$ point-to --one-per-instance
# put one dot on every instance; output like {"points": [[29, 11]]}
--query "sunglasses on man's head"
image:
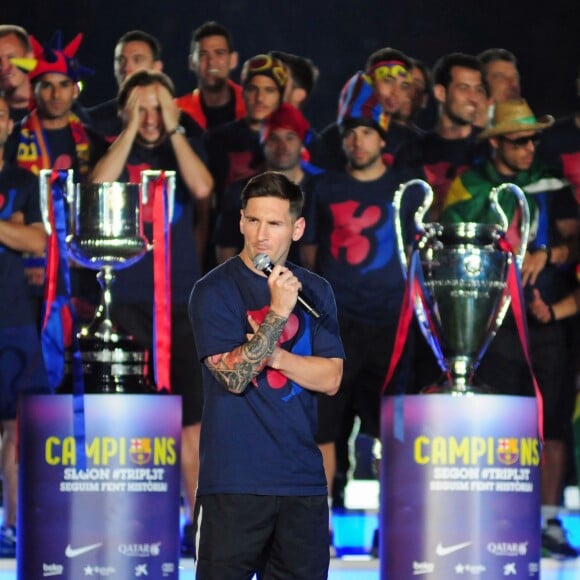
{"points": [[522, 141], [265, 62]]}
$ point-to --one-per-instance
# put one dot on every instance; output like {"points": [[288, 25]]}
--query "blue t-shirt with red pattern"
{"points": [[261, 441], [352, 223], [135, 283]]}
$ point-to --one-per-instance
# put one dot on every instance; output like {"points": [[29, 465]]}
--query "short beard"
{"points": [[284, 167], [217, 87], [458, 120], [362, 166]]}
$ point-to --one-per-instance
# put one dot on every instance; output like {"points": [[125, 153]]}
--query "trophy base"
{"points": [[459, 390], [110, 367]]}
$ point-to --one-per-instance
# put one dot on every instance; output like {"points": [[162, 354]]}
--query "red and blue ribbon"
{"points": [[161, 284], [414, 291], [58, 320]]}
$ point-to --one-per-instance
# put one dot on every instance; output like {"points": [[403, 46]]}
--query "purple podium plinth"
{"points": [[117, 519], [460, 487]]}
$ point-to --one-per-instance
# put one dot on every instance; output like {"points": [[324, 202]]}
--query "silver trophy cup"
{"points": [[105, 233], [462, 272]]}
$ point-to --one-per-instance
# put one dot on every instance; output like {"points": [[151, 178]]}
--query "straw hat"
{"points": [[513, 116]]}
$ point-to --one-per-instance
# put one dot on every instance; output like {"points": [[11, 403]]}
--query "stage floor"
{"points": [[342, 569], [356, 527]]}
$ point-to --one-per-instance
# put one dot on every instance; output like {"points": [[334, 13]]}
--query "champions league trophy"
{"points": [[105, 233], [460, 271]]}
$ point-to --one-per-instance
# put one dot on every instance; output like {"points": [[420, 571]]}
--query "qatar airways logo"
{"points": [[140, 550], [508, 549]]}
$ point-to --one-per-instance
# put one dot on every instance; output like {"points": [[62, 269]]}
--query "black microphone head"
{"points": [[262, 263]]}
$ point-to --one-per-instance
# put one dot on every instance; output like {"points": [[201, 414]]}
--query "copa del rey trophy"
{"points": [[460, 273], [105, 233]]}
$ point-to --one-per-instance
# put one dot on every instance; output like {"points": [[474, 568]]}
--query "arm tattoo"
{"points": [[237, 368]]}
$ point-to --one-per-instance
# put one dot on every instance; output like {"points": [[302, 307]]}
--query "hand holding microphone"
{"points": [[262, 262]]}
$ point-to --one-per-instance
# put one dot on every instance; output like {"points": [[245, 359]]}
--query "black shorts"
{"points": [[505, 371], [185, 369], [282, 537], [368, 352]]}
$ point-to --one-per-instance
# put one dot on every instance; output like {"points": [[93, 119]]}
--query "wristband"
{"points": [[548, 253], [180, 129], [551, 311]]}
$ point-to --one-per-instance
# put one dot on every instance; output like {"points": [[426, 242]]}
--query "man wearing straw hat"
{"points": [[512, 137]]}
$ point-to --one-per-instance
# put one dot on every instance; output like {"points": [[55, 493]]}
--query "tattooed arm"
{"points": [[237, 368]]}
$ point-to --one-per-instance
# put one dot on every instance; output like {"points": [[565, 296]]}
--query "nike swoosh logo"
{"points": [[71, 552], [445, 551]]}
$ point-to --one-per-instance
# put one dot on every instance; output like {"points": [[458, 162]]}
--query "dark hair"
{"points": [[426, 72], [211, 28], [353, 122], [387, 54], [493, 54], [18, 31], [142, 78], [274, 184], [442, 74], [303, 71], [140, 36]]}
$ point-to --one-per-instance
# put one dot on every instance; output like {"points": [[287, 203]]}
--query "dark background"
{"points": [[337, 35]]}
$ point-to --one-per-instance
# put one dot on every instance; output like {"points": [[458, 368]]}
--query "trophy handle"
{"points": [[519, 257], [45, 187], [419, 215], [525, 221], [425, 231], [169, 177]]}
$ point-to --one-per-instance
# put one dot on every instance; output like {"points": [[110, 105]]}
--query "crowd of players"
{"points": [[220, 135]]}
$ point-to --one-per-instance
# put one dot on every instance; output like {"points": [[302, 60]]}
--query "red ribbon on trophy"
{"points": [[414, 291], [162, 283]]}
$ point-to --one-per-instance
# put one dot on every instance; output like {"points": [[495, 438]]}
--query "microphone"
{"points": [[262, 263]]}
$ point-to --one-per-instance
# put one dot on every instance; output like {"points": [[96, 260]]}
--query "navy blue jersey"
{"points": [[560, 149], [135, 284], [261, 441], [18, 193], [234, 153], [442, 160]]}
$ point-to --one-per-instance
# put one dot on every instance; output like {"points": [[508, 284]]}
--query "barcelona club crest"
{"points": [[507, 450], [140, 450]]}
